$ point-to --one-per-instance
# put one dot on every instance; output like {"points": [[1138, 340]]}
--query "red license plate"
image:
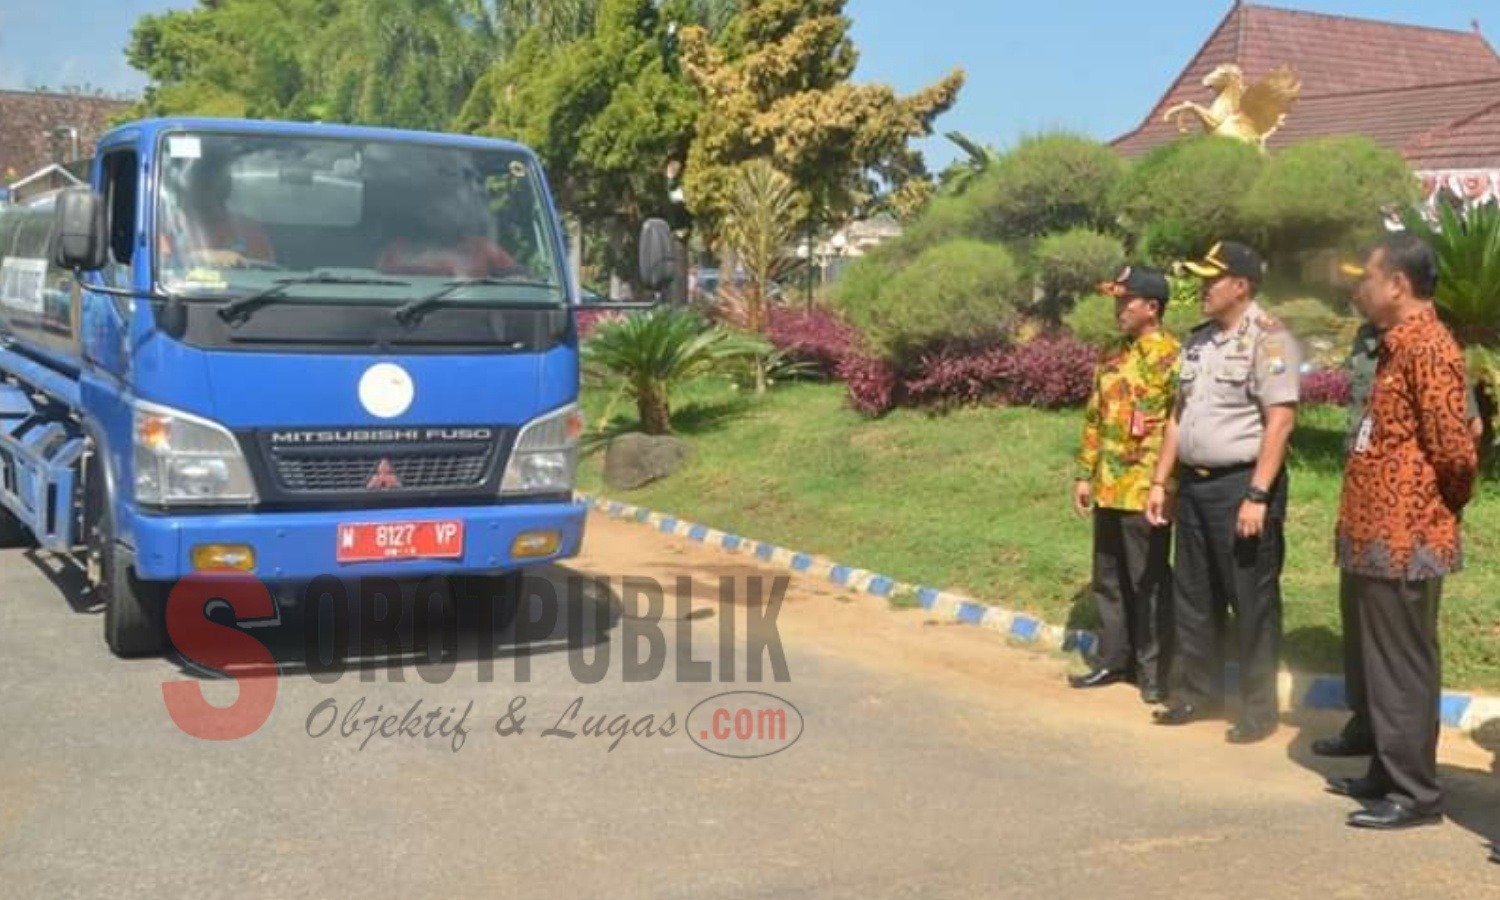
{"points": [[371, 541]]}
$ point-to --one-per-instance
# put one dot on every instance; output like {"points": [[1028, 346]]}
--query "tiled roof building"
{"points": [[35, 129], [1432, 94]]}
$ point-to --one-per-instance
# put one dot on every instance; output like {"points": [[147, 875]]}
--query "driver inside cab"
{"points": [[204, 231]]}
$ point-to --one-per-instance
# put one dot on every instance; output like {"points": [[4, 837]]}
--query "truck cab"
{"points": [[288, 351]]}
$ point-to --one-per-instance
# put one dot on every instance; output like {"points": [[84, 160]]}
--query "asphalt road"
{"points": [[931, 762]]}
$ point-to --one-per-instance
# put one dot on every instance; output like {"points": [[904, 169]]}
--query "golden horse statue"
{"points": [[1250, 114]]}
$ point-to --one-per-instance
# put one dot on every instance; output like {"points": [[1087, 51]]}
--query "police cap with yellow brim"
{"points": [[1227, 258]]}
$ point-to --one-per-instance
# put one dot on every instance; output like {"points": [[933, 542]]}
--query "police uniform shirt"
{"points": [[1227, 381]]}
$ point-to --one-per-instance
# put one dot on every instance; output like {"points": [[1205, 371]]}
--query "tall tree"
{"points": [[776, 85], [553, 22], [404, 63], [232, 57], [605, 113]]}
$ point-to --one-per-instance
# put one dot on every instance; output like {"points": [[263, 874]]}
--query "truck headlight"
{"points": [[545, 457], [182, 459]]}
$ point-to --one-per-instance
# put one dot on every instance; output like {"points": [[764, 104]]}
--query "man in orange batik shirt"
{"points": [[1406, 481]]}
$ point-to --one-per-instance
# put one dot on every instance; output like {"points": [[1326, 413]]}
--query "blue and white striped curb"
{"points": [[1467, 712]]}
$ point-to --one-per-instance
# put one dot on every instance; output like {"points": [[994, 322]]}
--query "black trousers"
{"points": [[1398, 622], [1217, 571], [1133, 593], [1357, 729]]}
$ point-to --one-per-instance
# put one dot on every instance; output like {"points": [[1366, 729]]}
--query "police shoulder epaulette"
{"points": [[1269, 323]]}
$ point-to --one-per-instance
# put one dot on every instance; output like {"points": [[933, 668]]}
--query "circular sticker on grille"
{"points": [[386, 390]]}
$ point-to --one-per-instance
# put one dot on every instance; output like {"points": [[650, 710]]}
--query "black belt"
{"points": [[1208, 472]]}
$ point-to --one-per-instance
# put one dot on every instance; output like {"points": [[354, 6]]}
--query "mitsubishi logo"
{"points": [[384, 478]]}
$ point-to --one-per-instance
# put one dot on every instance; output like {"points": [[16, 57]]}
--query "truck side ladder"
{"points": [[41, 448]]}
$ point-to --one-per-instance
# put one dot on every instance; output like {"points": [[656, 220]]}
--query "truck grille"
{"points": [[362, 465], [364, 471]]}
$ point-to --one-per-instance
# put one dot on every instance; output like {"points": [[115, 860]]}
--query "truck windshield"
{"points": [[358, 220]]}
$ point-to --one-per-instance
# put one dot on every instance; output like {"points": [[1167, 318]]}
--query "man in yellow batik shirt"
{"points": [[1135, 383]]}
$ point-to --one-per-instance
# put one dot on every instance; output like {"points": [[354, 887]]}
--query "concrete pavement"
{"points": [[935, 762]]}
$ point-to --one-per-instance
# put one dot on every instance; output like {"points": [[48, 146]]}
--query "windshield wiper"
{"points": [[239, 309], [410, 312]]}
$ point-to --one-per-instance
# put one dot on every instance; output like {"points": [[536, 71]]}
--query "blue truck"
{"points": [[291, 350]]}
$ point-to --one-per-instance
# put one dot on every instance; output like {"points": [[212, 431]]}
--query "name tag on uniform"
{"points": [[1362, 441]]}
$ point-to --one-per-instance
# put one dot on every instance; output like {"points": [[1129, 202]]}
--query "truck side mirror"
{"points": [[81, 240], [658, 254]]}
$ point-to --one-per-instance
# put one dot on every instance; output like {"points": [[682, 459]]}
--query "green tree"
{"points": [[404, 63], [232, 57], [604, 113], [776, 86]]}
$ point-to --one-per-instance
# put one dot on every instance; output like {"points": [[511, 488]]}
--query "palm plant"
{"points": [[648, 354], [761, 224], [1467, 245]]}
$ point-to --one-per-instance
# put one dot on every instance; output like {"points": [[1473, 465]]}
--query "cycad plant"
{"points": [[648, 354], [1468, 251]]}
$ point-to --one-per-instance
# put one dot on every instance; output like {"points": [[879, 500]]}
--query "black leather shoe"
{"points": [[1181, 714], [1248, 733], [1495, 853], [1389, 815], [1358, 788], [1341, 746], [1097, 678]]}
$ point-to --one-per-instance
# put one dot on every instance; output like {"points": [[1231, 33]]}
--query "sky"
{"points": [[1094, 66]]}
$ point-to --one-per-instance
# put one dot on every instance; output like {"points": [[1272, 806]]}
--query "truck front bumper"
{"points": [[303, 545]]}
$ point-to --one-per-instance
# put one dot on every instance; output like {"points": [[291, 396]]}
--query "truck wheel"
{"points": [[134, 611], [13, 532], [502, 591]]}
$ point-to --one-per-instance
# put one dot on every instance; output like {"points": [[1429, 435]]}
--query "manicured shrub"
{"points": [[952, 376], [817, 337], [960, 292], [1326, 194], [1048, 183], [1071, 263], [871, 383], [1092, 319], [589, 320], [1326, 387], [1182, 197], [1051, 372]]}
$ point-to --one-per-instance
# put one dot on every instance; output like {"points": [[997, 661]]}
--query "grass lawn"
{"points": [[977, 501]]}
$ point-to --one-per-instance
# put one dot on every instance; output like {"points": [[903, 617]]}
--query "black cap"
{"points": [[1139, 281], [1228, 258]]}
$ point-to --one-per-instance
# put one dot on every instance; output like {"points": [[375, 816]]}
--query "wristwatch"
{"points": [[1256, 495]]}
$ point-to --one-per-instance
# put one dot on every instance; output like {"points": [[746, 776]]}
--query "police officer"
{"points": [[1227, 441]]}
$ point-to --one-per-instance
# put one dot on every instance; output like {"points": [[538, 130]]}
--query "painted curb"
{"points": [[1464, 711]]}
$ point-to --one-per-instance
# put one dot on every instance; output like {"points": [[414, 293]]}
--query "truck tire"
{"points": [[504, 592], [13, 532], [134, 612]]}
